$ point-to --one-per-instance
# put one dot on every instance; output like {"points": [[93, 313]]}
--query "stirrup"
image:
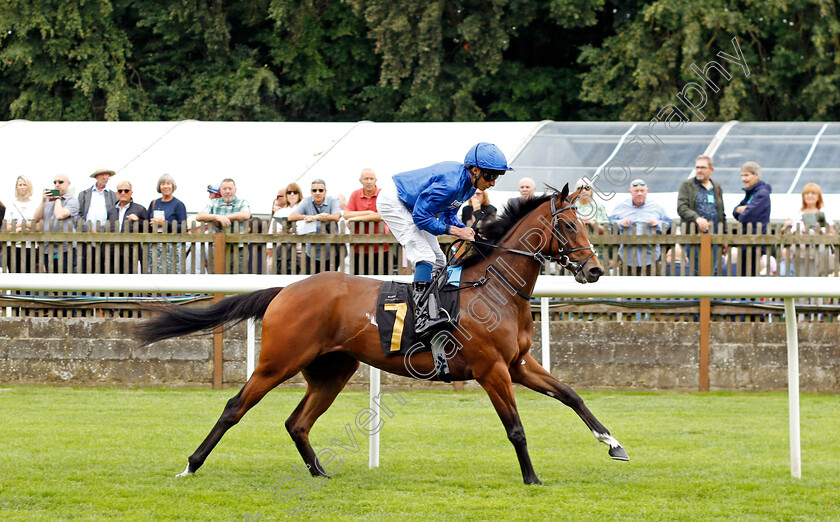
{"points": [[425, 326]]}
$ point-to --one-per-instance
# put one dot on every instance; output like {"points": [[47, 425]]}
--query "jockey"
{"points": [[420, 205]]}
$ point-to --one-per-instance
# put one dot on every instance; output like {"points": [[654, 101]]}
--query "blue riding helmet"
{"points": [[486, 156]]}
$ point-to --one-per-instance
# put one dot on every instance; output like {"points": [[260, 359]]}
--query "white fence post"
{"points": [[250, 348], [373, 459], [544, 335], [793, 387]]}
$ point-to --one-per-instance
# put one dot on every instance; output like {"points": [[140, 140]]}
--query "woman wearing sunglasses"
{"points": [[420, 205], [282, 225]]}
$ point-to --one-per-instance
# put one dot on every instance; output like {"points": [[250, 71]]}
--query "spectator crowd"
{"points": [[98, 208]]}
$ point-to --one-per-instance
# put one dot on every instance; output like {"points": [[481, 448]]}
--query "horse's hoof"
{"points": [[534, 482], [618, 453], [185, 473]]}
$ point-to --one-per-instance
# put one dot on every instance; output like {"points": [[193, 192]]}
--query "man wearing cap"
{"points": [[420, 205], [201, 249], [636, 216]]}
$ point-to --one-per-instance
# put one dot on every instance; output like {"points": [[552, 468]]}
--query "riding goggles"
{"points": [[491, 175]]}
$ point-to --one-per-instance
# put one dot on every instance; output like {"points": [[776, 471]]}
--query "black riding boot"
{"points": [[424, 325]]}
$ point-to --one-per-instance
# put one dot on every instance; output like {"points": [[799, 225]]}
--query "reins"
{"points": [[563, 258], [463, 285]]}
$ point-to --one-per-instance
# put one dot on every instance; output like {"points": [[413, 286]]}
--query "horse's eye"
{"points": [[570, 226]]}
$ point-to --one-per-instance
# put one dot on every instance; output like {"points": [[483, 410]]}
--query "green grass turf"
{"points": [[112, 454]]}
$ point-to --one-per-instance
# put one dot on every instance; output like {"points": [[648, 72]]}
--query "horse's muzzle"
{"points": [[590, 273]]}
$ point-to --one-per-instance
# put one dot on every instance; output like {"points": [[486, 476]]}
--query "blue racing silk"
{"points": [[434, 194]]}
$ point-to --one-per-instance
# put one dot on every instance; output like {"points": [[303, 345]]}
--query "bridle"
{"points": [[563, 257]]}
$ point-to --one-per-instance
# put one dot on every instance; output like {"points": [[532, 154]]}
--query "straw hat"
{"points": [[103, 170]]}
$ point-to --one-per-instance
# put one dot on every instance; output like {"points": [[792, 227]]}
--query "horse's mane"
{"points": [[515, 210]]}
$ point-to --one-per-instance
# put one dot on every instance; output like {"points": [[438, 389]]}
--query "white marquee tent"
{"points": [[260, 157], [265, 156]]}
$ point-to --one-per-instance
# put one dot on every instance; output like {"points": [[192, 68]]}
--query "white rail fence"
{"points": [[787, 288]]}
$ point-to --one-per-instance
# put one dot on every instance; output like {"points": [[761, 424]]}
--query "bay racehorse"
{"points": [[323, 327]]}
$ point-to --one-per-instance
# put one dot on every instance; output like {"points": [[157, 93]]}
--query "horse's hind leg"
{"points": [[261, 382], [534, 376], [325, 377]]}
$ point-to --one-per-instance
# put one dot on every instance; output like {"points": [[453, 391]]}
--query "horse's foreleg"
{"points": [[534, 376], [261, 382], [326, 377], [497, 383]]}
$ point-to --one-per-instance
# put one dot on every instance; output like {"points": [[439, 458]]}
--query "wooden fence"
{"points": [[194, 248]]}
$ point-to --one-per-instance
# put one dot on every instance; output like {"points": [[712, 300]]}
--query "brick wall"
{"points": [[586, 355]]}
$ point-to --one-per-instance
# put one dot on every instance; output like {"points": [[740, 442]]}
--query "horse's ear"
{"points": [[564, 193]]}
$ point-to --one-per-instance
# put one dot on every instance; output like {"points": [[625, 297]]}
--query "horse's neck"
{"points": [[520, 271]]}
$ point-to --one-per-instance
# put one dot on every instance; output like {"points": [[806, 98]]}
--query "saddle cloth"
{"points": [[395, 315]]}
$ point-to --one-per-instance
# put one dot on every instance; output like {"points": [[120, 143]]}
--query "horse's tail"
{"points": [[174, 321]]}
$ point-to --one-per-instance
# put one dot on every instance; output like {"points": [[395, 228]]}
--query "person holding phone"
{"points": [[58, 211], [814, 260], [478, 211], [812, 216]]}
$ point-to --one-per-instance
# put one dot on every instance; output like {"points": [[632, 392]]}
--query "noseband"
{"points": [[563, 257]]}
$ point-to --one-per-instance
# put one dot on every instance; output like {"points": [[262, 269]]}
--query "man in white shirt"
{"points": [[97, 202], [96, 205]]}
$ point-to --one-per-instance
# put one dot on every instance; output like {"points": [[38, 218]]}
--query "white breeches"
{"points": [[419, 244]]}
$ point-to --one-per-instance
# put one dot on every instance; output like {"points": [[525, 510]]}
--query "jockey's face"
{"points": [[483, 184]]}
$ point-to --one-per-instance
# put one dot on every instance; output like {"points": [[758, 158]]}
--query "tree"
{"points": [[791, 47], [64, 61], [540, 77], [326, 62], [202, 60], [473, 60], [435, 54], [296, 59]]}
